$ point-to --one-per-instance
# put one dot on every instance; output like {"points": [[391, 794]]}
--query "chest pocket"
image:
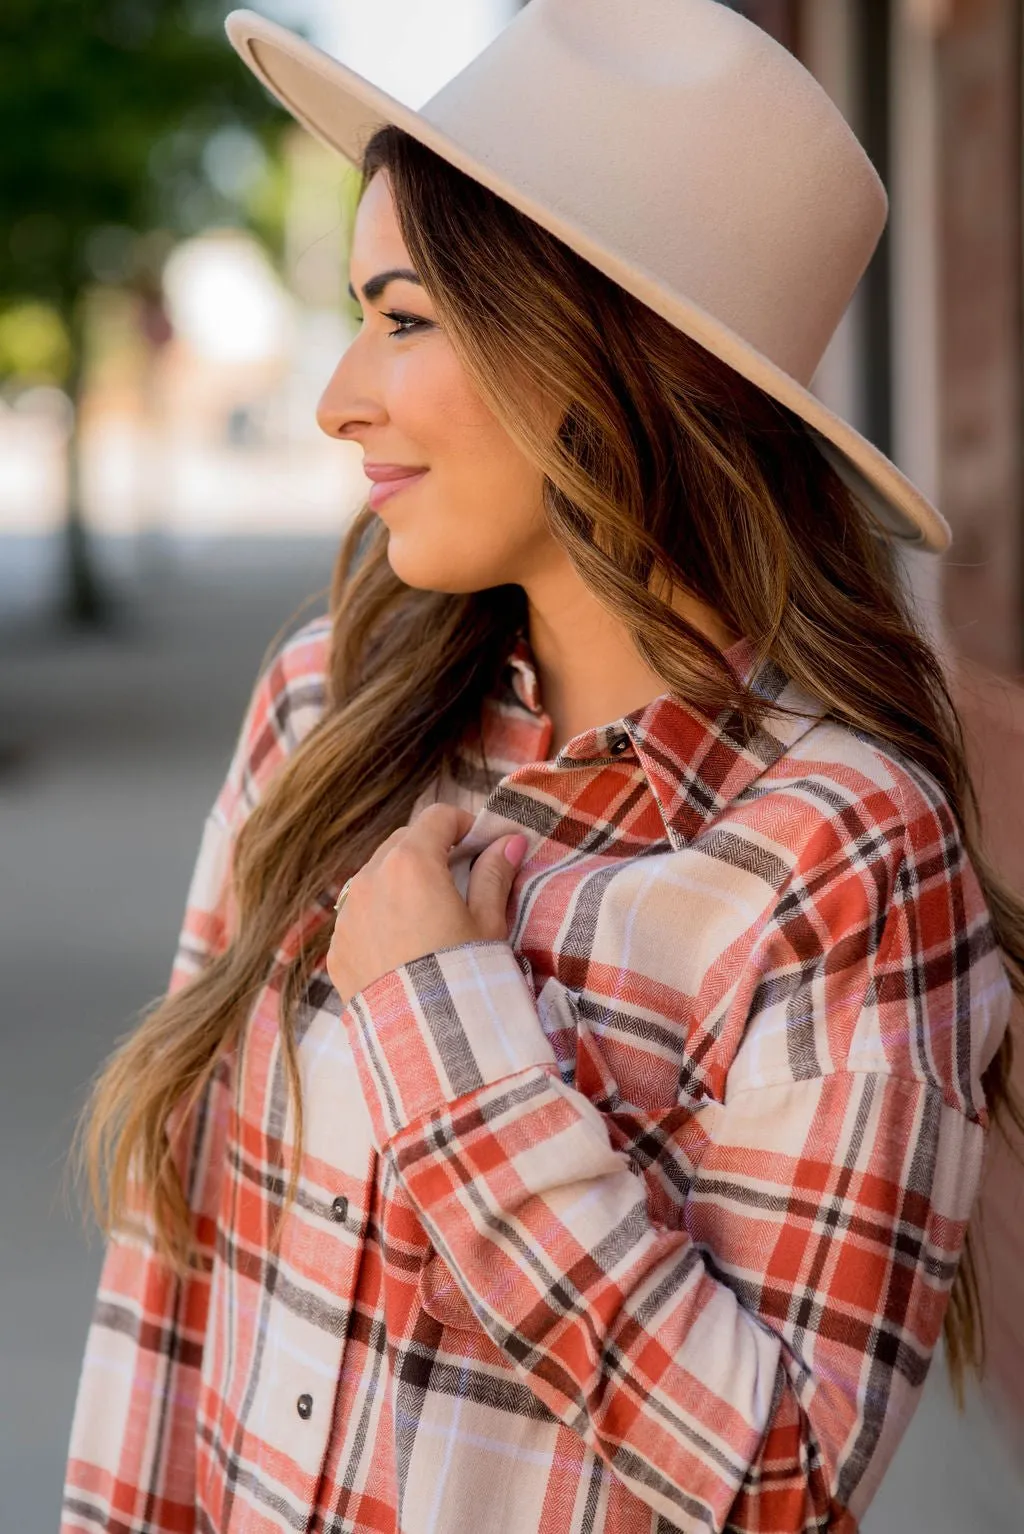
{"points": [[621, 1061], [441, 1297]]}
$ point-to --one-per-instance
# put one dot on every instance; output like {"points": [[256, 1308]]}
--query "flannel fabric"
{"points": [[642, 1220]]}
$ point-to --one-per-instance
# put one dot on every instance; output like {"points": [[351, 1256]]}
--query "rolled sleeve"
{"points": [[441, 1026]]}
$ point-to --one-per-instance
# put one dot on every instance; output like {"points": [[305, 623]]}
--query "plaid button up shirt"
{"points": [[642, 1220]]}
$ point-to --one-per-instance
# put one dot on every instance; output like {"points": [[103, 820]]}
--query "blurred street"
{"points": [[114, 751]]}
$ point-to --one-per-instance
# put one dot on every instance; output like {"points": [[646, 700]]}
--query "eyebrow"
{"points": [[374, 286]]}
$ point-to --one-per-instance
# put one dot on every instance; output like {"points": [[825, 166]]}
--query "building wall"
{"points": [[929, 363], [979, 69], [779, 17]]}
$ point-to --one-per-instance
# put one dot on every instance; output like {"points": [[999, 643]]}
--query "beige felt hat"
{"points": [[677, 148]]}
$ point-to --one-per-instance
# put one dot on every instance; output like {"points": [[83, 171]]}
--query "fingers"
{"points": [[439, 827], [490, 884], [436, 829]]}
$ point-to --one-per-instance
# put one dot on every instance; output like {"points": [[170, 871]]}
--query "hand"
{"points": [[403, 903]]}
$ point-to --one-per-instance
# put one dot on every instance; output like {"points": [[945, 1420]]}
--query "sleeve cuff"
{"points": [[440, 1026]]}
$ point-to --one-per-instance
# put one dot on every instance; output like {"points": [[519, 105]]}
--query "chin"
{"points": [[427, 569]]}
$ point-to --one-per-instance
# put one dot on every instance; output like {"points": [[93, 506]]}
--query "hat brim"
{"points": [[343, 110]]}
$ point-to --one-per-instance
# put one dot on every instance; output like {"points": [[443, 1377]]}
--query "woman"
{"points": [[603, 1160]]}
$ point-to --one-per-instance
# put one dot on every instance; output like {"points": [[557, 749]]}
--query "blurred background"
{"points": [[172, 280]]}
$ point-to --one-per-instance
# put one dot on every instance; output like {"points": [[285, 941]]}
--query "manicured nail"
{"points": [[515, 849]]}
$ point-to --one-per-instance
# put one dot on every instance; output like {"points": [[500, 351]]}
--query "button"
{"points": [[339, 1209], [619, 744], [304, 1407]]}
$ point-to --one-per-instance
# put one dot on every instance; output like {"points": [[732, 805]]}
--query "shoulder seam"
{"points": [[315, 628], [858, 1070]]}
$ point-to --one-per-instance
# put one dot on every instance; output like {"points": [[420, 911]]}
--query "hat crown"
{"points": [[736, 180], [653, 43]]}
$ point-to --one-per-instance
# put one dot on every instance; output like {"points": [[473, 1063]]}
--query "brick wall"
{"points": [[992, 711], [979, 56]]}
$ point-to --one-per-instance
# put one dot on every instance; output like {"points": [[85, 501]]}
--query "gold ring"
{"points": [[343, 895]]}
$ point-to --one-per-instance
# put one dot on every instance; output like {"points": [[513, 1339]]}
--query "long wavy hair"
{"points": [[669, 472]]}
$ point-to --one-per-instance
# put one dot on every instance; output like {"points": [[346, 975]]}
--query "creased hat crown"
{"points": [[736, 178]]}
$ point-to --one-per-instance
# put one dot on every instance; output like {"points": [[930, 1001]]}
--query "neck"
{"points": [[588, 669]]}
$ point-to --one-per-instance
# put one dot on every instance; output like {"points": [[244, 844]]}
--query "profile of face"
{"points": [[475, 518]]}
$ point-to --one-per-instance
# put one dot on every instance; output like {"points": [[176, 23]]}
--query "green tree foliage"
{"points": [[106, 110], [119, 118]]}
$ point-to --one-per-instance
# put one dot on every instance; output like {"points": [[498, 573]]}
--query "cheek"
{"points": [[482, 500], [433, 405]]}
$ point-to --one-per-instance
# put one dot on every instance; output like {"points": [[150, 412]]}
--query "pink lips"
{"points": [[389, 479]]}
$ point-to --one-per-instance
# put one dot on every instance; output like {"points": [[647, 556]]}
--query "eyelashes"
{"points": [[411, 321], [405, 323]]}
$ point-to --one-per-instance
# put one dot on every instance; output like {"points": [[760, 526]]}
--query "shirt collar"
{"points": [[695, 765]]}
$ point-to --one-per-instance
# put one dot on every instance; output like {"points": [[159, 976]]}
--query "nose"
{"points": [[348, 405]]}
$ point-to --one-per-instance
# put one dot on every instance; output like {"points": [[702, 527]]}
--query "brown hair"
{"points": [[669, 471]]}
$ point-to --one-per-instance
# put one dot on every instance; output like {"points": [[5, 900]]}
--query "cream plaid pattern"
{"points": [[642, 1220]]}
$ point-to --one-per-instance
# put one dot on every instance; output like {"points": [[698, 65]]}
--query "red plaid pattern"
{"points": [[644, 1219]]}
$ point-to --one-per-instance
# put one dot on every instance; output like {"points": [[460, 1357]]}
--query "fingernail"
{"points": [[515, 849]]}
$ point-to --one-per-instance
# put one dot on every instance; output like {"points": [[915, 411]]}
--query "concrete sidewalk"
{"points": [[116, 748], [125, 742]]}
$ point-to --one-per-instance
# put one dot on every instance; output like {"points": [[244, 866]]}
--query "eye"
{"points": [[405, 323]]}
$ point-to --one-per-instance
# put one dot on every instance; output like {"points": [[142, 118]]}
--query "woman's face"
{"points": [[475, 518]]}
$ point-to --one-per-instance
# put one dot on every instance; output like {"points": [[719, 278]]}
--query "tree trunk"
{"points": [[84, 601]]}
